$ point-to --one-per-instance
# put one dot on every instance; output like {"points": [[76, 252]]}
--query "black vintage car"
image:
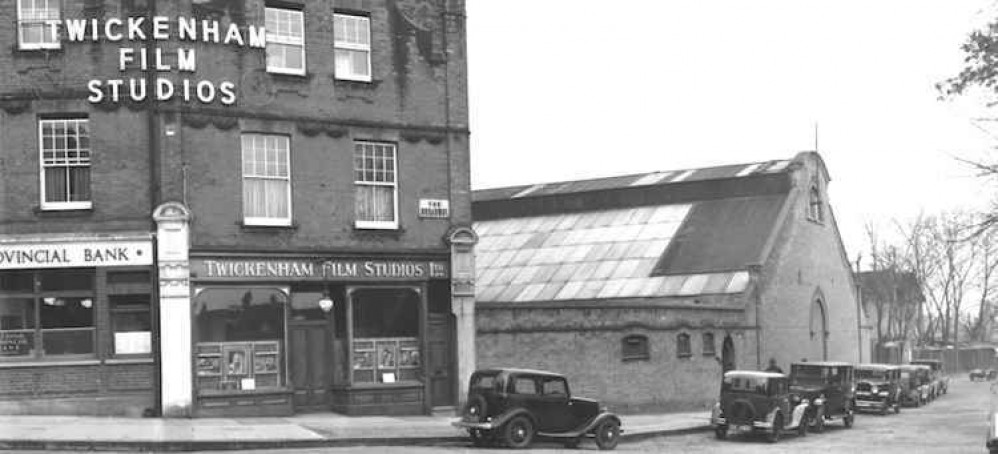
{"points": [[977, 374], [754, 401], [915, 379], [515, 406], [829, 387], [878, 388], [940, 380]]}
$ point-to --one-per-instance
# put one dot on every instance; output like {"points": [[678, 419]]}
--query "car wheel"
{"points": [[518, 433], [897, 408], [883, 410], [819, 421], [721, 432], [802, 427], [774, 435], [849, 419], [608, 434]]}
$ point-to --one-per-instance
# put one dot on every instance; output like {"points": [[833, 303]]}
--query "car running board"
{"points": [[575, 433]]}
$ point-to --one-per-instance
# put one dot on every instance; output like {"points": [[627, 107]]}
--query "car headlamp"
{"points": [[883, 393]]}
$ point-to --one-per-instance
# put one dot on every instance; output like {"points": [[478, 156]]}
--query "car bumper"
{"points": [[871, 404], [479, 425], [719, 422]]}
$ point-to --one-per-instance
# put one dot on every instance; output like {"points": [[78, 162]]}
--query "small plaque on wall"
{"points": [[248, 384]]}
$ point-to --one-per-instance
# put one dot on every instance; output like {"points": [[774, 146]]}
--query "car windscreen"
{"points": [[744, 384], [871, 375], [807, 376]]}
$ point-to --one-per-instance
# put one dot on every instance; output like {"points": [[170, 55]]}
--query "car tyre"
{"points": [[608, 434], [773, 436], [518, 433], [721, 432], [849, 419], [802, 427], [897, 407]]}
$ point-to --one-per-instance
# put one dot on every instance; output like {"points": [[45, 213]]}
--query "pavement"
{"points": [[19, 432]]}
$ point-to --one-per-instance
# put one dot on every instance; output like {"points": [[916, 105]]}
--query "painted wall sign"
{"points": [[181, 60], [76, 255], [319, 270]]}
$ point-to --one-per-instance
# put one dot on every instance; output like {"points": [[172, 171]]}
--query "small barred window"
{"points": [[683, 349], [635, 348]]}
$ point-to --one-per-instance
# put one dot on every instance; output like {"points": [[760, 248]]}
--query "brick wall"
{"points": [[807, 261], [585, 343]]}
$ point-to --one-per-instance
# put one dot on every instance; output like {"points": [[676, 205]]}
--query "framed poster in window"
{"points": [[387, 355], [237, 360]]}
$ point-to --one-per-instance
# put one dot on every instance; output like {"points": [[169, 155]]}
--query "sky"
{"points": [[574, 89]]}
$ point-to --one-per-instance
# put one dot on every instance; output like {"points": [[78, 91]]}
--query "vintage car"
{"points": [[978, 374], [992, 374], [940, 380], [916, 380], [830, 389], [515, 406], [758, 402], [878, 388]]}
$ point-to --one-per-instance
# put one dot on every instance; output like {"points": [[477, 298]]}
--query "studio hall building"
{"points": [[644, 288], [215, 207]]}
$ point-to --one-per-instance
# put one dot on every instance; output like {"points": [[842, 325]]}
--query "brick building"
{"points": [[222, 207], [644, 288]]}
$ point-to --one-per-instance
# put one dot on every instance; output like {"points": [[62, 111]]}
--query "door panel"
{"points": [[440, 359], [311, 357]]}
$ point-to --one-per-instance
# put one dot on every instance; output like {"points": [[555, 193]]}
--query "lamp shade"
{"points": [[326, 303]]}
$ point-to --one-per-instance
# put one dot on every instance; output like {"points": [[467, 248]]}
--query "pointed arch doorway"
{"points": [[818, 348], [727, 354]]}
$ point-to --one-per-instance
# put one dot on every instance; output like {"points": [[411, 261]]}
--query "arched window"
{"points": [[814, 211], [635, 348], [708, 344], [683, 349]]}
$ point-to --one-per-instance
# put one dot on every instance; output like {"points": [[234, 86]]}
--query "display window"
{"points": [[47, 314], [386, 347], [240, 338]]}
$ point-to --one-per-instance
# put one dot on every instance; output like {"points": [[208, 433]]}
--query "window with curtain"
{"points": [[285, 41], [47, 314], [65, 159], [266, 180], [34, 19], [375, 180], [352, 47]]}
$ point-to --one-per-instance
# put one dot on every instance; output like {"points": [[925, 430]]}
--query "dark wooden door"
{"points": [[440, 359], [311, 357]]}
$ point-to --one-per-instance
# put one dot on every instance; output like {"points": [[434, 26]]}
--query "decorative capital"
{"points": [[171, 211]]}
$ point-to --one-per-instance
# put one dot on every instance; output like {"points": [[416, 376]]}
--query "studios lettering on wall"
{"points": [[181, 61], [324, 270]]}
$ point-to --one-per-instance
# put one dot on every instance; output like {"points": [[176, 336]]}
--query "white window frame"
{"points": [[67, 162], [287, 40], [260, 220], [21, 44], [353, 46], [382, 225]]}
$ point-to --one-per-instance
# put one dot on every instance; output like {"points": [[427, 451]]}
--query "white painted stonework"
{"points": [[173, 244]]}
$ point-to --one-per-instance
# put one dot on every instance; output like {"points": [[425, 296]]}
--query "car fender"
{"points": [[798, 414], [589, 427]]}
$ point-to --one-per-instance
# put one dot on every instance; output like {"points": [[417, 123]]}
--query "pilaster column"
{"points": [[172, 259], [462, 250]]}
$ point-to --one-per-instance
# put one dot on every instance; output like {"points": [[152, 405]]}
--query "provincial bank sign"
{"points": [[76, 255], [242, 269]]}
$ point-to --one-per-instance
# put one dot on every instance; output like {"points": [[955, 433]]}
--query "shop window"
{"points": [[131, 324], [47, 314], [386, 335], [240, 338], [34, 24], [683, 348], [375, 180], [65, 164], [352, 47], [285, 41], [635, 348], [266, 180], [708, 344]]}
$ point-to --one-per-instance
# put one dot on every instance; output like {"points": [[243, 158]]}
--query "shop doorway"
{"points": [[440, 359], [311, 360]]}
